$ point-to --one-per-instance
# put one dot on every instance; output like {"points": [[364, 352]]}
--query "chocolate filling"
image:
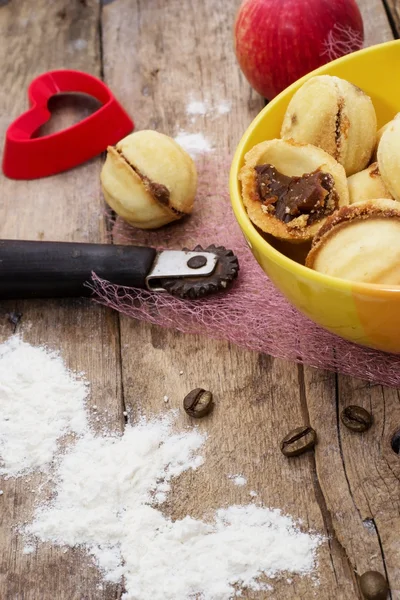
{"points": [[312, 194], [338, 128], [159, 191], [374, 170]]}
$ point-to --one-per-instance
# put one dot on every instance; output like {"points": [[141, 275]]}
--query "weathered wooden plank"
{"points": [[36, 37]]}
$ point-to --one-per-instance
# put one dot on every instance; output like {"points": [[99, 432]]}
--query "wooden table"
{"points": [[153, 53]]}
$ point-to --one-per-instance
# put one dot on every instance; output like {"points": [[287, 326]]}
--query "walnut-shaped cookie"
{"points": [[360, 242], [289, 189], [379, 135], [149, 180], [389, 157], [367, 185], [334, 115]]}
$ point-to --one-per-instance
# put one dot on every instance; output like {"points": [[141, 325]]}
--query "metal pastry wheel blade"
{"points": [[193, 284]]}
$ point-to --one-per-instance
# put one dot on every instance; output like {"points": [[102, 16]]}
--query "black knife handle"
{"points": [[60, 269]]}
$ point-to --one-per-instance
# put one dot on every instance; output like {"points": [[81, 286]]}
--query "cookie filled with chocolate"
{"points": [[289, 189], [334, 115], [360, 242]]}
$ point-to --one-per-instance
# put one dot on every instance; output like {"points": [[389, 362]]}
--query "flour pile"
{"points": [[108, 495], [109, 492], [105, 488], [40, 401]]}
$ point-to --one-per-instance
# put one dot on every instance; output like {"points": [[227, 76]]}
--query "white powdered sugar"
{"points": [[40, 401], [195, 144], [109, 492]]}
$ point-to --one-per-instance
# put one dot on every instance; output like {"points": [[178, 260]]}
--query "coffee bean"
{"points": [[374, 586], [395, 442], [356, 418], [298, 441], [198, 403]]}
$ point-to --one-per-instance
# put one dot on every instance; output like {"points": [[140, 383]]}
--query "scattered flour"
{"points": [[224, 108], [103, 481], [196, 108], [253, 494], [109, 491], [79, 44], [238, 479], [195, 144], [40, 401]]}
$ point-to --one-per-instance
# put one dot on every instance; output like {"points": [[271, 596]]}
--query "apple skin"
{"points": [[279, 41]]}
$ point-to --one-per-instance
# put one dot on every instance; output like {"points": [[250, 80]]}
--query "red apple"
{"points": [[278, 41]]}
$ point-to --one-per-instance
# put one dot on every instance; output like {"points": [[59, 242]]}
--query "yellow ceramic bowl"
{"points": [[367, 314]]}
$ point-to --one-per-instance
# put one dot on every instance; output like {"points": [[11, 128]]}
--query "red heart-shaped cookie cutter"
{"points": [[29, 158]]}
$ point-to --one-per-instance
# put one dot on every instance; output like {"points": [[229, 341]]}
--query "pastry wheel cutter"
{"points": [[32, 269]]}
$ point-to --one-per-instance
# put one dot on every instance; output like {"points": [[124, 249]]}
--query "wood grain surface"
{"points": [[156, 56]]}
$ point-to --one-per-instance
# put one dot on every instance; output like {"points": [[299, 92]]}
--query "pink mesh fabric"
{"points": [[252, 314]]}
